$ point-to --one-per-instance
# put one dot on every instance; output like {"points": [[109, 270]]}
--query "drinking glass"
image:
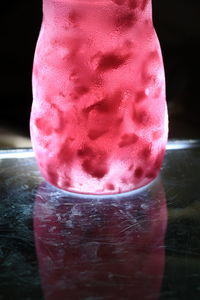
{"points": [[99, 119]]}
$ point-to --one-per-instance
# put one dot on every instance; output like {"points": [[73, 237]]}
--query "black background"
{"points": [[178, 27]]}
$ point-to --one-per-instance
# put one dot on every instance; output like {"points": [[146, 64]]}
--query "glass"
{"points": [[37, 219], [99, 119]]}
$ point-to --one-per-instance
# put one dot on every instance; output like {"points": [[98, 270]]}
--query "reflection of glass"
{"points": [[99, 118], [110, 248]]}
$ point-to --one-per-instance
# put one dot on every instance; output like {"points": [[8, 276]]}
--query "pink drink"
{"points": [[99, 118]]}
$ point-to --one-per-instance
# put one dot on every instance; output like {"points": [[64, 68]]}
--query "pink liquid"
{"points": [[99, 117]]}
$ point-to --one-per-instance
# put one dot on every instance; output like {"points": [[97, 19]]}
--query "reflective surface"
{"points": [[139, 245]]}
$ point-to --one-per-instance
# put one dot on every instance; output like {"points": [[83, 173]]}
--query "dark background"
{"points": [[178, 27]]}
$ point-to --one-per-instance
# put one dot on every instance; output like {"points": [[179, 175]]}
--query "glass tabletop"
{"points": [[139, 245]]}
